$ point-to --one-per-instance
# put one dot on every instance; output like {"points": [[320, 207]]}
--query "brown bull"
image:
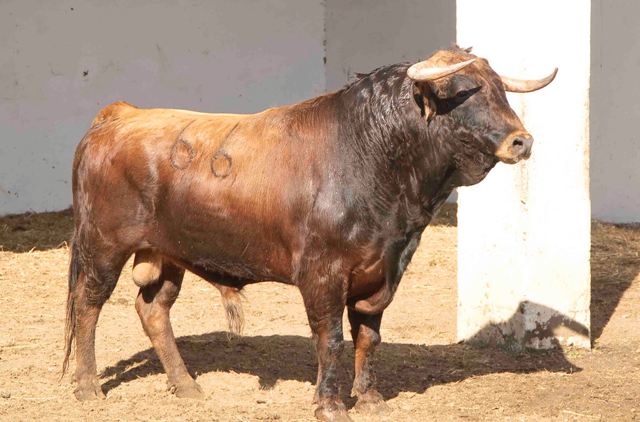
{"points": [[331, 195]]}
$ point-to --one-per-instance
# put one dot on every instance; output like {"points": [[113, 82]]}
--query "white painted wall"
{"points": [[365, 34], [236, 56], [615, 110], [524, 232]]}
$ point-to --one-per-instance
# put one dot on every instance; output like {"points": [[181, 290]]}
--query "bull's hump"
{"points": [[112, 111]]}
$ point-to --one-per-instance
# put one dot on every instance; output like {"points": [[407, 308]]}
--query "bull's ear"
{"points": [[425, 99]]}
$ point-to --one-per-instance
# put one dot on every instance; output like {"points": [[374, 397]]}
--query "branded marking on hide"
{"points": [[182, 153], [221, 164]]}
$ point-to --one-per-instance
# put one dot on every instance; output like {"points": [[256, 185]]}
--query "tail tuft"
{"points": [[232, 302]]}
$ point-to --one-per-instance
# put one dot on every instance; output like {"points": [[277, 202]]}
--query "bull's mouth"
{"points": [[511, 160]]}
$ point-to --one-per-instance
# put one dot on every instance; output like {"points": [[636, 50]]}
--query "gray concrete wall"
{"points": [[63, 60], [365, 34], [615, 110]]}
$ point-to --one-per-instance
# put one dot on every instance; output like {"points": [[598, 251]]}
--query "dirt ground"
{"points": [[268, 374]]}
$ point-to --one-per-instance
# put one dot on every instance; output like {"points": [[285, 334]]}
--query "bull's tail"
{"points": [[232, 302], [70, 320]]}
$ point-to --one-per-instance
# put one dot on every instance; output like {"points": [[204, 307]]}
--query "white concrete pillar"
{"points": [[524, 232]]}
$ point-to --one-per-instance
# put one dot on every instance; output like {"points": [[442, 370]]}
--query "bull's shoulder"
{"points": [[112, 111]]}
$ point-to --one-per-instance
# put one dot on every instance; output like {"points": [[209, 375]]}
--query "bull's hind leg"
{"points": [[365, 332], [153, 304], [86, 317], [91, 283]]}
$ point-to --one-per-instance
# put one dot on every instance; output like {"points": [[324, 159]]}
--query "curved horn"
{"points": [[525, 85], [425, 71]]}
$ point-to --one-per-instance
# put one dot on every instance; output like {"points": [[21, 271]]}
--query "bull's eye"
{"points": [[466, 93], [446, 105]]}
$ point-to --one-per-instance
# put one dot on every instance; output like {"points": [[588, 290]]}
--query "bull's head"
{"points": [[461, 87]]}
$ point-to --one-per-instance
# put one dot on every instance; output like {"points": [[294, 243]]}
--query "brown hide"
{"points": [[221, 194]]}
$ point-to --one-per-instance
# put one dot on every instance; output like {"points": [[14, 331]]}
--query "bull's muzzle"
{"points": [[515, 147]]}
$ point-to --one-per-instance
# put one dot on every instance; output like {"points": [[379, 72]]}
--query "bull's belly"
{"points": [[228, 253], [230, 272]]}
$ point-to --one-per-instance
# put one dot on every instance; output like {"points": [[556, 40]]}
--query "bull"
{"points": [[331, 195]]}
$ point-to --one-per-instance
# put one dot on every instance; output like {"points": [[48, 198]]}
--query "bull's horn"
{"points": [[425, 71], [525, 85]]}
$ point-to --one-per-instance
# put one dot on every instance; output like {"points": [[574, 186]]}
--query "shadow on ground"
{"points": [[35, 231], [399, 367], [515, 335]]}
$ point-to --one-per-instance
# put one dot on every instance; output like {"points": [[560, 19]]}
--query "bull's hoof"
{"points": [[89, 390], [187, 390], [371, 403], [332, 412]]}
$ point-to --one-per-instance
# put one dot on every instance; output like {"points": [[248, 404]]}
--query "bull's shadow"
{"points": [[513, 333], [400, 367]]}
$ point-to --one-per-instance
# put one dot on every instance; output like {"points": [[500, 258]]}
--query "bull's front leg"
{"points": [[325, 306], [365, 332]]}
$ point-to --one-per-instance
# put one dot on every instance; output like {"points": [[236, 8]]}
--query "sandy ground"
{"points": [[268, 374]]}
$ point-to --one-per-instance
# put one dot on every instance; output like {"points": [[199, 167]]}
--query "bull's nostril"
{"points": [[515, 148]]}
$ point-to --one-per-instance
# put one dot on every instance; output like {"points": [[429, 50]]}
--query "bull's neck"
{"points": [[404, 159]]}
